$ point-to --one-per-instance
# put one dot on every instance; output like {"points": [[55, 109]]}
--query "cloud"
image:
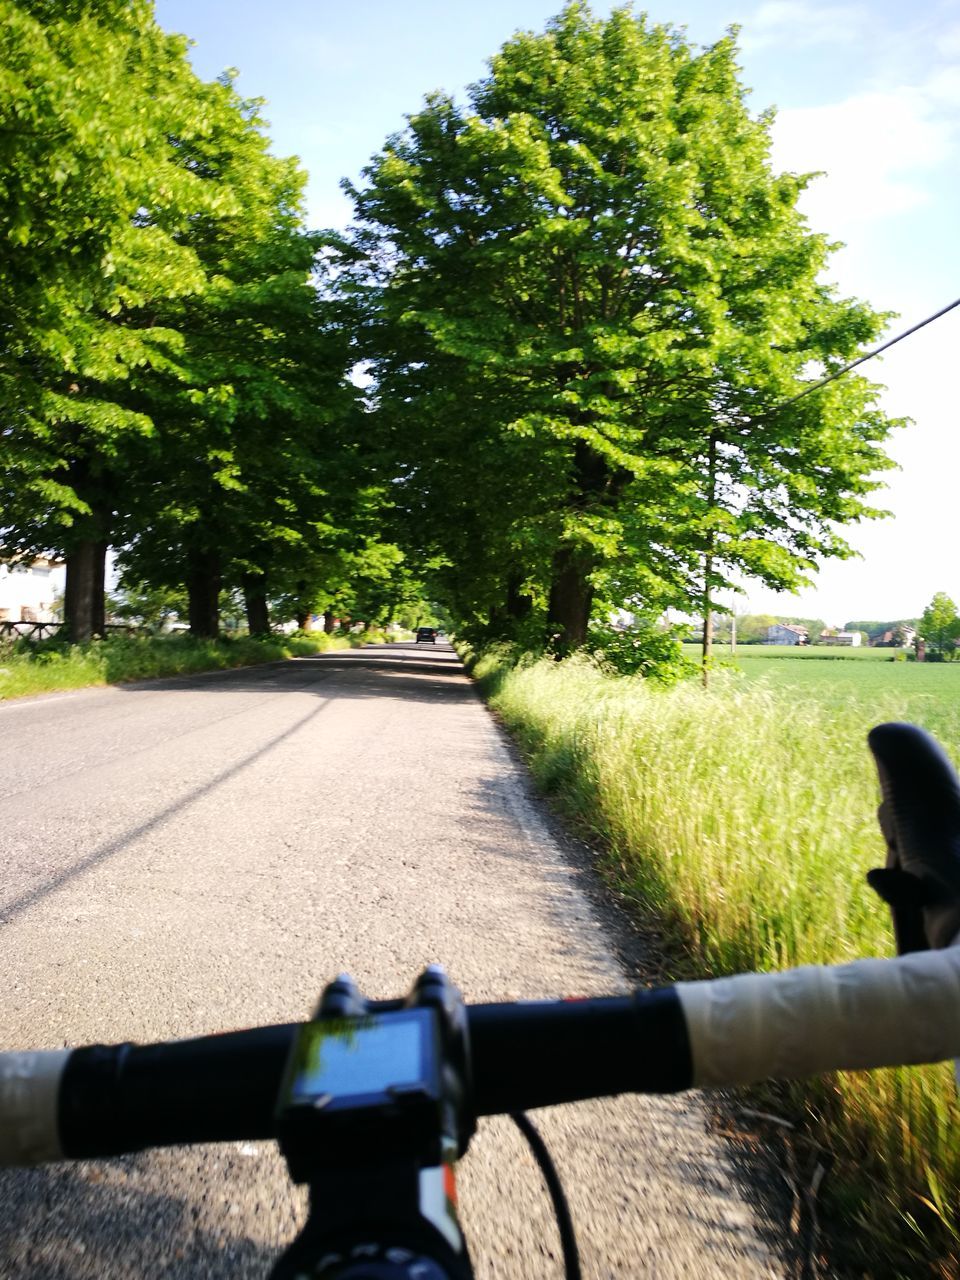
{"points": [[802, 25], [878, 150]]}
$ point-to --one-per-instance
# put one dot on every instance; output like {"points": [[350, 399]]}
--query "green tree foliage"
{"points": [[368, 580], [170, 374], [875, 631], [587, 289], [940, 625], [647, 646], [259, 415], [94, 100], [143, 605], [752, 628]]}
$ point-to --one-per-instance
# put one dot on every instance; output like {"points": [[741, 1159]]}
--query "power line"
{"points": [[892, 342]]}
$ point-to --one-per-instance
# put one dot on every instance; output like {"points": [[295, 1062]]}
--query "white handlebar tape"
{"points": [[29, 1084], [872, 1013]]}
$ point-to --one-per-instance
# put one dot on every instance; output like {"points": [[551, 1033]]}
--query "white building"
{"points": [[786, 633], [849, 638], [28, 590]]}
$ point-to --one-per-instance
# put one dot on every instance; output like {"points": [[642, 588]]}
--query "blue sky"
{"points": [[868, 92]]}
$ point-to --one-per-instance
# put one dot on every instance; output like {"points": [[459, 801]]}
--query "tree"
{"points": [[95, 101], [104, 195], [142, 605], [752, 627], [940, 625], [170, 377], [897, 631], [590, 285]]}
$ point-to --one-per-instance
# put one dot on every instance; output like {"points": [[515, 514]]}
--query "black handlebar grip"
{"points": [[920, 820], [119, 1098]]}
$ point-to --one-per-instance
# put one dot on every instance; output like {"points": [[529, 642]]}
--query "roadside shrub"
{"points": [[646, 648]]}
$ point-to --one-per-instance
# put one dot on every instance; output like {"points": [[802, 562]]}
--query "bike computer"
{"points": [[362, 1085]]}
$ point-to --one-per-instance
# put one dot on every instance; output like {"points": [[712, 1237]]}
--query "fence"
{"points": [[41, 630]]}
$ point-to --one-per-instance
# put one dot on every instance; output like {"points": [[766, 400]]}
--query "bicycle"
{"points": [[372, 1102]]}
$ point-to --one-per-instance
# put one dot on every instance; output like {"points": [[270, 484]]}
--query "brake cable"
{"points": [[561, 1209]]}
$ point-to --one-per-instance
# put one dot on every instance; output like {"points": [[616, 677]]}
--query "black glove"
{"points": [[920, 819]]}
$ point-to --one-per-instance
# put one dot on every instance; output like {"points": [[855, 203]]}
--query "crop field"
{"points": [[810, 653], [743, 817], [868, 684]]}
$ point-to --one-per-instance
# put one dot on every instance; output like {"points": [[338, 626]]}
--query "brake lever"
{"points": [[920, 819]]}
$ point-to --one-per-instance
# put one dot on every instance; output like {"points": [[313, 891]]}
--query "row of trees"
{"points": [[173, 372], [581, 301], [751, 628]]}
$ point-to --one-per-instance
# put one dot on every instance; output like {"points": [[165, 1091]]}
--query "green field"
{"points": [[812, 652], [743, 817], [867, 681]]}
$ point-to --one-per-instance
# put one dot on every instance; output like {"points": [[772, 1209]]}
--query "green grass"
{"points": [[46, 667], [926, 692], [744, 817]]}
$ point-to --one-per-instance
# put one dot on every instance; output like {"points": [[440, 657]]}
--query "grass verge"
{"points": [[48, 666], [744, 817]]}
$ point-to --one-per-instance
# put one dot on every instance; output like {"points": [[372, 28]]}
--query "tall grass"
{"points": [[42, 668], [744, 816]]}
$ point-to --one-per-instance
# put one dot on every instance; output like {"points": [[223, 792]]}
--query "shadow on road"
{"points": [[93, 1222], [11, 910], [375, 671]]}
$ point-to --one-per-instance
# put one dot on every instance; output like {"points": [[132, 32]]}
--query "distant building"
{"points": [[901, 637], [786, 633], [849, 638], [28, 589]]}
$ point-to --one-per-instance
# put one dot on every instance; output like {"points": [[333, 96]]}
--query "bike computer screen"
{"points": [[362, 1061]]}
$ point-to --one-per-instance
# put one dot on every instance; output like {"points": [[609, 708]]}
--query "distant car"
{"points": [[427, 635]]}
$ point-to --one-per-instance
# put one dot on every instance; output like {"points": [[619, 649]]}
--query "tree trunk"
{"points": [[84, 608], [708, 562], [203, 589], [518, 605], [504, 619], [707, 623], [596, 485], [571, 596], [304, 614], [328, 621], [255, 600]]}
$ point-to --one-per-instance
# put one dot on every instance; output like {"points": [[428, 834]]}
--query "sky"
{"points": [[868, 93]]}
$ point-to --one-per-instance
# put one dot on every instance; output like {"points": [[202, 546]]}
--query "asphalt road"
{"points": [[191, 855]]}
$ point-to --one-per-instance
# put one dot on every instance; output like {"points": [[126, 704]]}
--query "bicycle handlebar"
{"points": [[107, 1100]]}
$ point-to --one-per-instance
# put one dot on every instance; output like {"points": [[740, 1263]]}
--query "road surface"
{"points": [[191, 855]]}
